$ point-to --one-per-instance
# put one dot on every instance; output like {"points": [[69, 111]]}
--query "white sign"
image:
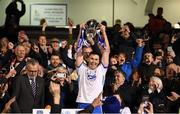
{"points": [[55, 14], [70, 111], [41, 111]]}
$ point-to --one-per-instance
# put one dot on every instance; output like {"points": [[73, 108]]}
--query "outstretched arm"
{"points": [[79, 58], [70, 35], [82, 26], [23, 8], [106, 51], [138, 53]]}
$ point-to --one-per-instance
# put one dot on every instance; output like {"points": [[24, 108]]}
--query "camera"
{"points": [[60, 75], [56, 76]]}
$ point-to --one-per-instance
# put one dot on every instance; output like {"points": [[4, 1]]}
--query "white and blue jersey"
{"points": [[90, 83]]}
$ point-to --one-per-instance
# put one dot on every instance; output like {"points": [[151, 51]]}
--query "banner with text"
{"points": [[55, 14]]}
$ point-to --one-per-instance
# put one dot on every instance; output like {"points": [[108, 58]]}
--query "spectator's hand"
{"points": [[97, 101], [82, 26], [143, 108], [140, 42], [174, 38], [55, 91], [70, 22], [114, 87], [11, 73], [63, 44], [102, 28], [68, 79], [90, 40], [157, 60], [10, 45], [44, 25], [8, 105], [174, 96], [27, 58], [3, 88]]}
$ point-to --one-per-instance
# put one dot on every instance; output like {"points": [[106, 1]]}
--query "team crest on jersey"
{"points": [[91, 75]]}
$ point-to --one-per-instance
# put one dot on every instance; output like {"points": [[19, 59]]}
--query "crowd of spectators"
{"points": [[131, 73]]}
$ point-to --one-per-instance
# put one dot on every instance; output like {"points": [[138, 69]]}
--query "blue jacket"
{"points": [[128, 66]]}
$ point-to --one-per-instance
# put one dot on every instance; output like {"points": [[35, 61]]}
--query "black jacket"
{"points": [[25, 100]]}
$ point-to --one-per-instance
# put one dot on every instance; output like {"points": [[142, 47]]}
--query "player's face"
{"points": [[93, 61]]}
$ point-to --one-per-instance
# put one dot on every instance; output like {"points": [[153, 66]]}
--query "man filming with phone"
{"points": [[57, 73]]}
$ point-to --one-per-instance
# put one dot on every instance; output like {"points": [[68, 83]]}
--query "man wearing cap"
{"points": [[92, 75], [55, 45]]}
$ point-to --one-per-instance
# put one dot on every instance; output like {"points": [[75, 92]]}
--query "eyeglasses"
{"points": [[33, 71]]}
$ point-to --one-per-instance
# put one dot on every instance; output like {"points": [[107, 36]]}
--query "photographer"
{"points": [[58, 72], [67, 97]]}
